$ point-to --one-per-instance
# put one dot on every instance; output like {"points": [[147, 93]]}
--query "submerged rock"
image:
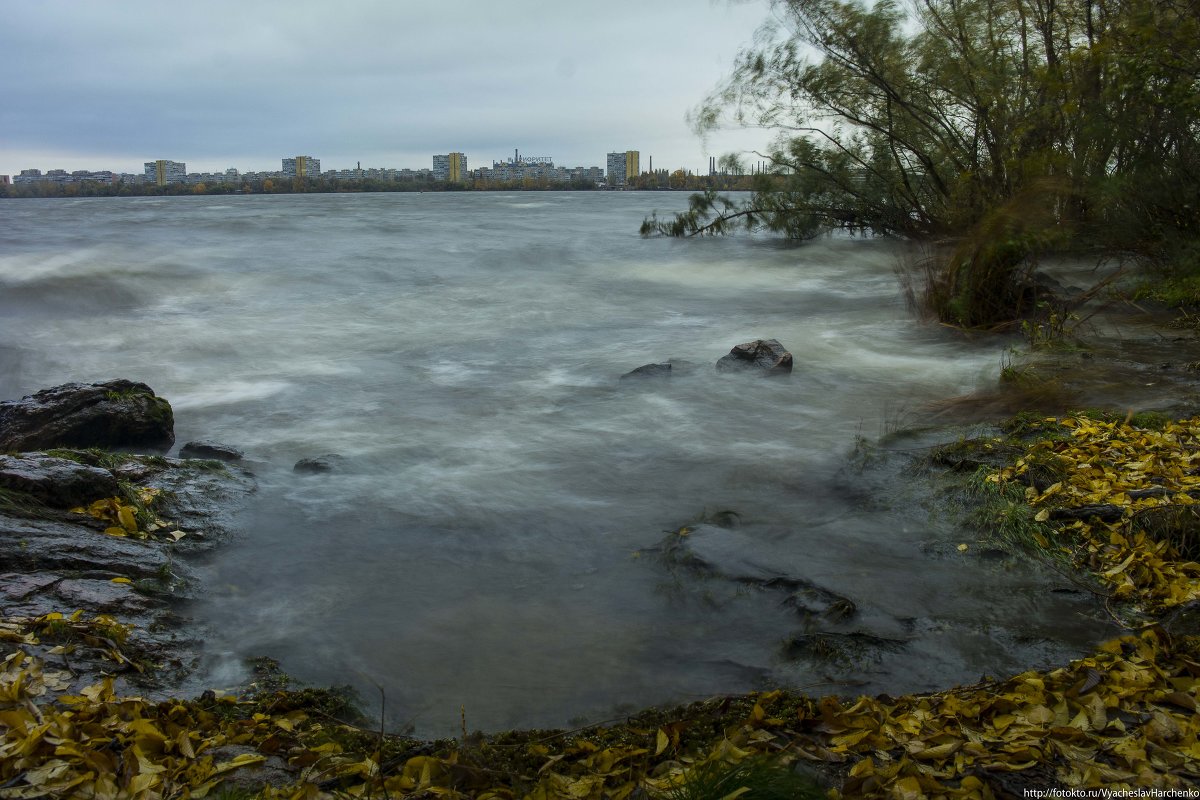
{"points": [[57, 482], [670, 368], [647, 371], [326, 463], [765, 355], [114, 414], [205, 448]]}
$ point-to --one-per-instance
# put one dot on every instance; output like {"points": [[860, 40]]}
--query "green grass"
{"points": [[1176, 291], [91, 456], [759, 778], [20, 504], [1002, 515]]}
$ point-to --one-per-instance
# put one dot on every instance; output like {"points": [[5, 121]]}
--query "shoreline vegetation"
{"points": [[1000, 132]]}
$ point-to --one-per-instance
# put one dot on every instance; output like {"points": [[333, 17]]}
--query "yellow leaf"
{"points": [[938, 752], [240, 761], [962, 548], [128, 522], [907, 789], [662, 741], [143, 782], [864, 767], [120, 580]]}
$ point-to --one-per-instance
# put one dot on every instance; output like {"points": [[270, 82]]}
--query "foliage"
{"points": [[1018, 127], [102, 632], [1115, 483], [132, 515], [1122, 717]]}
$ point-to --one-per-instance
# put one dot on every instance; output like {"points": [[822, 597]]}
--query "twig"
{"points": [[379, 758]]}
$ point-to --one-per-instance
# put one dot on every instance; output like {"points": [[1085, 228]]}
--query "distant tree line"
{"points": [[1014, 128], [677, 180]]}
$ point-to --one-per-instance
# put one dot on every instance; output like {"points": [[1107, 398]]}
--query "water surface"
{"points": [[489, 541]]}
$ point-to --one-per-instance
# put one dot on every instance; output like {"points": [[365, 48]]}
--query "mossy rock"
{"points": [[117, 414]]}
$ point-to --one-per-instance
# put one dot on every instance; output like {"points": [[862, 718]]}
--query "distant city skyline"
{"points": [[621, 169], [288, 165], [453, 167], [97, 85]]}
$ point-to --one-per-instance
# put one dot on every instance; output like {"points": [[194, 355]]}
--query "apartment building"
{"points": [[163, 171], [623, 166], [302, 167], [451, 168]]}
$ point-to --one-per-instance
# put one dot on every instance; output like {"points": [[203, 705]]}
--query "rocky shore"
{"points": [[97, 532]]}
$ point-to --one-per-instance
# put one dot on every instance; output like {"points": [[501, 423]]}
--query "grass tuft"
{"points": [[760, 778]]}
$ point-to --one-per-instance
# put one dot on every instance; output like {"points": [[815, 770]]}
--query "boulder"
{"points": [[57, 482], [764, 355], [114, 414], [212, 450], [326, 463]]}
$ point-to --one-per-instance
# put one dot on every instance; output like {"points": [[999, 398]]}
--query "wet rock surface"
{"points": [[648, 371], [906, 634], [57, 482], [323, 463], [206, 448], [115, 414], [121, 595], [653, 373], [763, 355]]}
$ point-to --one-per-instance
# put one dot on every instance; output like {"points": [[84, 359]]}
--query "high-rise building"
{"points": [[302, 167], [623, 166], [163, 171], [451, 168]]}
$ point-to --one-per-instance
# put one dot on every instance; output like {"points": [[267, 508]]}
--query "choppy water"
{"points": [[480, 548]]}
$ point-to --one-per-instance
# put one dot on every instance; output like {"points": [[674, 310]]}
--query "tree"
{"points": [[1014, 126]]}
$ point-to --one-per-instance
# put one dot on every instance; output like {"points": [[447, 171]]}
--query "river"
{"points": [[491, 543]]}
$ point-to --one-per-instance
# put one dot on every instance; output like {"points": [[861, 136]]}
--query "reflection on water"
{"points": [[494, 539]]}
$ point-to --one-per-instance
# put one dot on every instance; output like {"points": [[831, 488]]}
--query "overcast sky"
{"points": [[109, 84]]}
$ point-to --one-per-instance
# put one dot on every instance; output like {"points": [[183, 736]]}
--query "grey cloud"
{"points": [[224, 81]]}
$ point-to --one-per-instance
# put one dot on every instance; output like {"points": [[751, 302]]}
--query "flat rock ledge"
{"points": [[56, 557], [57, 482]]}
